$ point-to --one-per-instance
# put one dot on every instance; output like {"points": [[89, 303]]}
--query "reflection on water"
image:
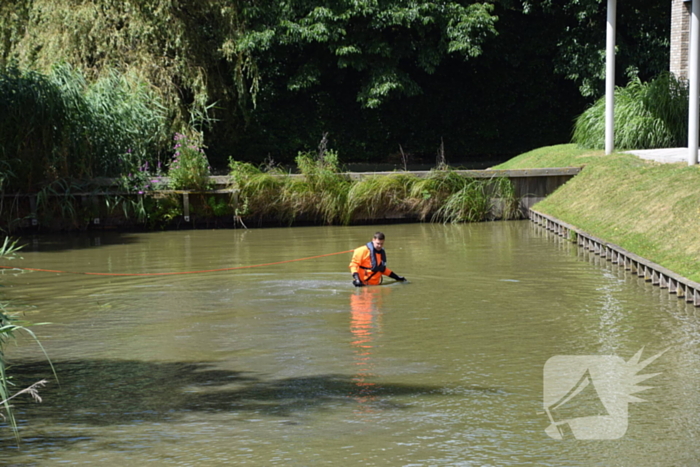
{"points": [[292, 365], [365, 326]]}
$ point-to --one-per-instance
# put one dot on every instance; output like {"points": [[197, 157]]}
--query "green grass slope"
{"points": [[648, 208]]}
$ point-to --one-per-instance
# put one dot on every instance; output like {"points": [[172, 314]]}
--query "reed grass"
{"points": [[9, 325], [259, 192], [324, 190], [57, 126], [324, 194], [469, 204], [647, 115], [375, 196], [431, 193]]}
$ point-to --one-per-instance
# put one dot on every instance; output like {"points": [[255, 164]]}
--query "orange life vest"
{"points": [[369, 264]]}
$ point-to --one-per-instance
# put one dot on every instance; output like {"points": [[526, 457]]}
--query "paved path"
{"points": [[668, 155]]}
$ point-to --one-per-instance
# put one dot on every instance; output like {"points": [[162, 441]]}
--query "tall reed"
{"points": [[59, 126], [647, 115], [9, 325]]}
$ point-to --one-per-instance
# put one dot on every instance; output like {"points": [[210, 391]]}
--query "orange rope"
{"points": [[175, 273]]}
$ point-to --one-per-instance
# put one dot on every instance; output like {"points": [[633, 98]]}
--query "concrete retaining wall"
{"points": [[675, 284], [531, 186]]}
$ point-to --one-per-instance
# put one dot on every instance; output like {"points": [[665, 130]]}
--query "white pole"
{"points": [[693, 81], [610, 78]]}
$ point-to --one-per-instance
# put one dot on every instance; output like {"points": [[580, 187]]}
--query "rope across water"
{"points": [[175, 273]]}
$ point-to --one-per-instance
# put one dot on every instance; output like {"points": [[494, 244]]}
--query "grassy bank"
{"points": [[648, 208]]}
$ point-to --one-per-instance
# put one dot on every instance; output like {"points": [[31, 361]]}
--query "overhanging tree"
{"points": [[383, 42]]}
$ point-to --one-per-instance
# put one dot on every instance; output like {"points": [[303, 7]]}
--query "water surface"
{"points": [[289, 364]]}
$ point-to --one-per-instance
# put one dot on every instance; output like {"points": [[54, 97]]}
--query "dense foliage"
{"points": [[266, 79], [59, 126], [9, 326], [647, 115], [383, 44], [578, 29]]}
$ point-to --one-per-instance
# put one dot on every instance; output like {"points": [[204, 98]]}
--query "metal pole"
{"points": [[693, 81], [610, 78]]}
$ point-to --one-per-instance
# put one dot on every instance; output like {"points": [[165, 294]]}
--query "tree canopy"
{"points": [[385, 43], [269, 78], [579, 30]]}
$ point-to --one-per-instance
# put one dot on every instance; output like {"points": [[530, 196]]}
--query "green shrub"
{"points": [[189, 168], [647, 115]]}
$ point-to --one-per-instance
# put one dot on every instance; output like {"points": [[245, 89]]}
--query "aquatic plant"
{"points": [[9, 325], [258, 192], [471, 203], [503, 193], [323, 191], [430, 193], [374, 196]]}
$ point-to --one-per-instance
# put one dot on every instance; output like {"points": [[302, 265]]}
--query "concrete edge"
{"points": [[488, 173], [664, 278]]}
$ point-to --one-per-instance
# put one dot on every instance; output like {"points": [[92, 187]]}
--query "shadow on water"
{"points": [[109, 392], [53, 243], [101, 393]]}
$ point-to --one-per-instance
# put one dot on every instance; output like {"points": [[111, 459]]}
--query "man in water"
{"points": [[368, 263]]}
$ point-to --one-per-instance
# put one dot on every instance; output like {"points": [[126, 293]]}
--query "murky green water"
{"points": [[291, 365]]}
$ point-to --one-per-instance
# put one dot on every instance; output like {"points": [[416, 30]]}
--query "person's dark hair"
{"points": [[379, 236]]}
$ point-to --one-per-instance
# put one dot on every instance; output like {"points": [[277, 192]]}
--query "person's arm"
{"points": [[355, 262], [396, 277], [355, 267]]}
